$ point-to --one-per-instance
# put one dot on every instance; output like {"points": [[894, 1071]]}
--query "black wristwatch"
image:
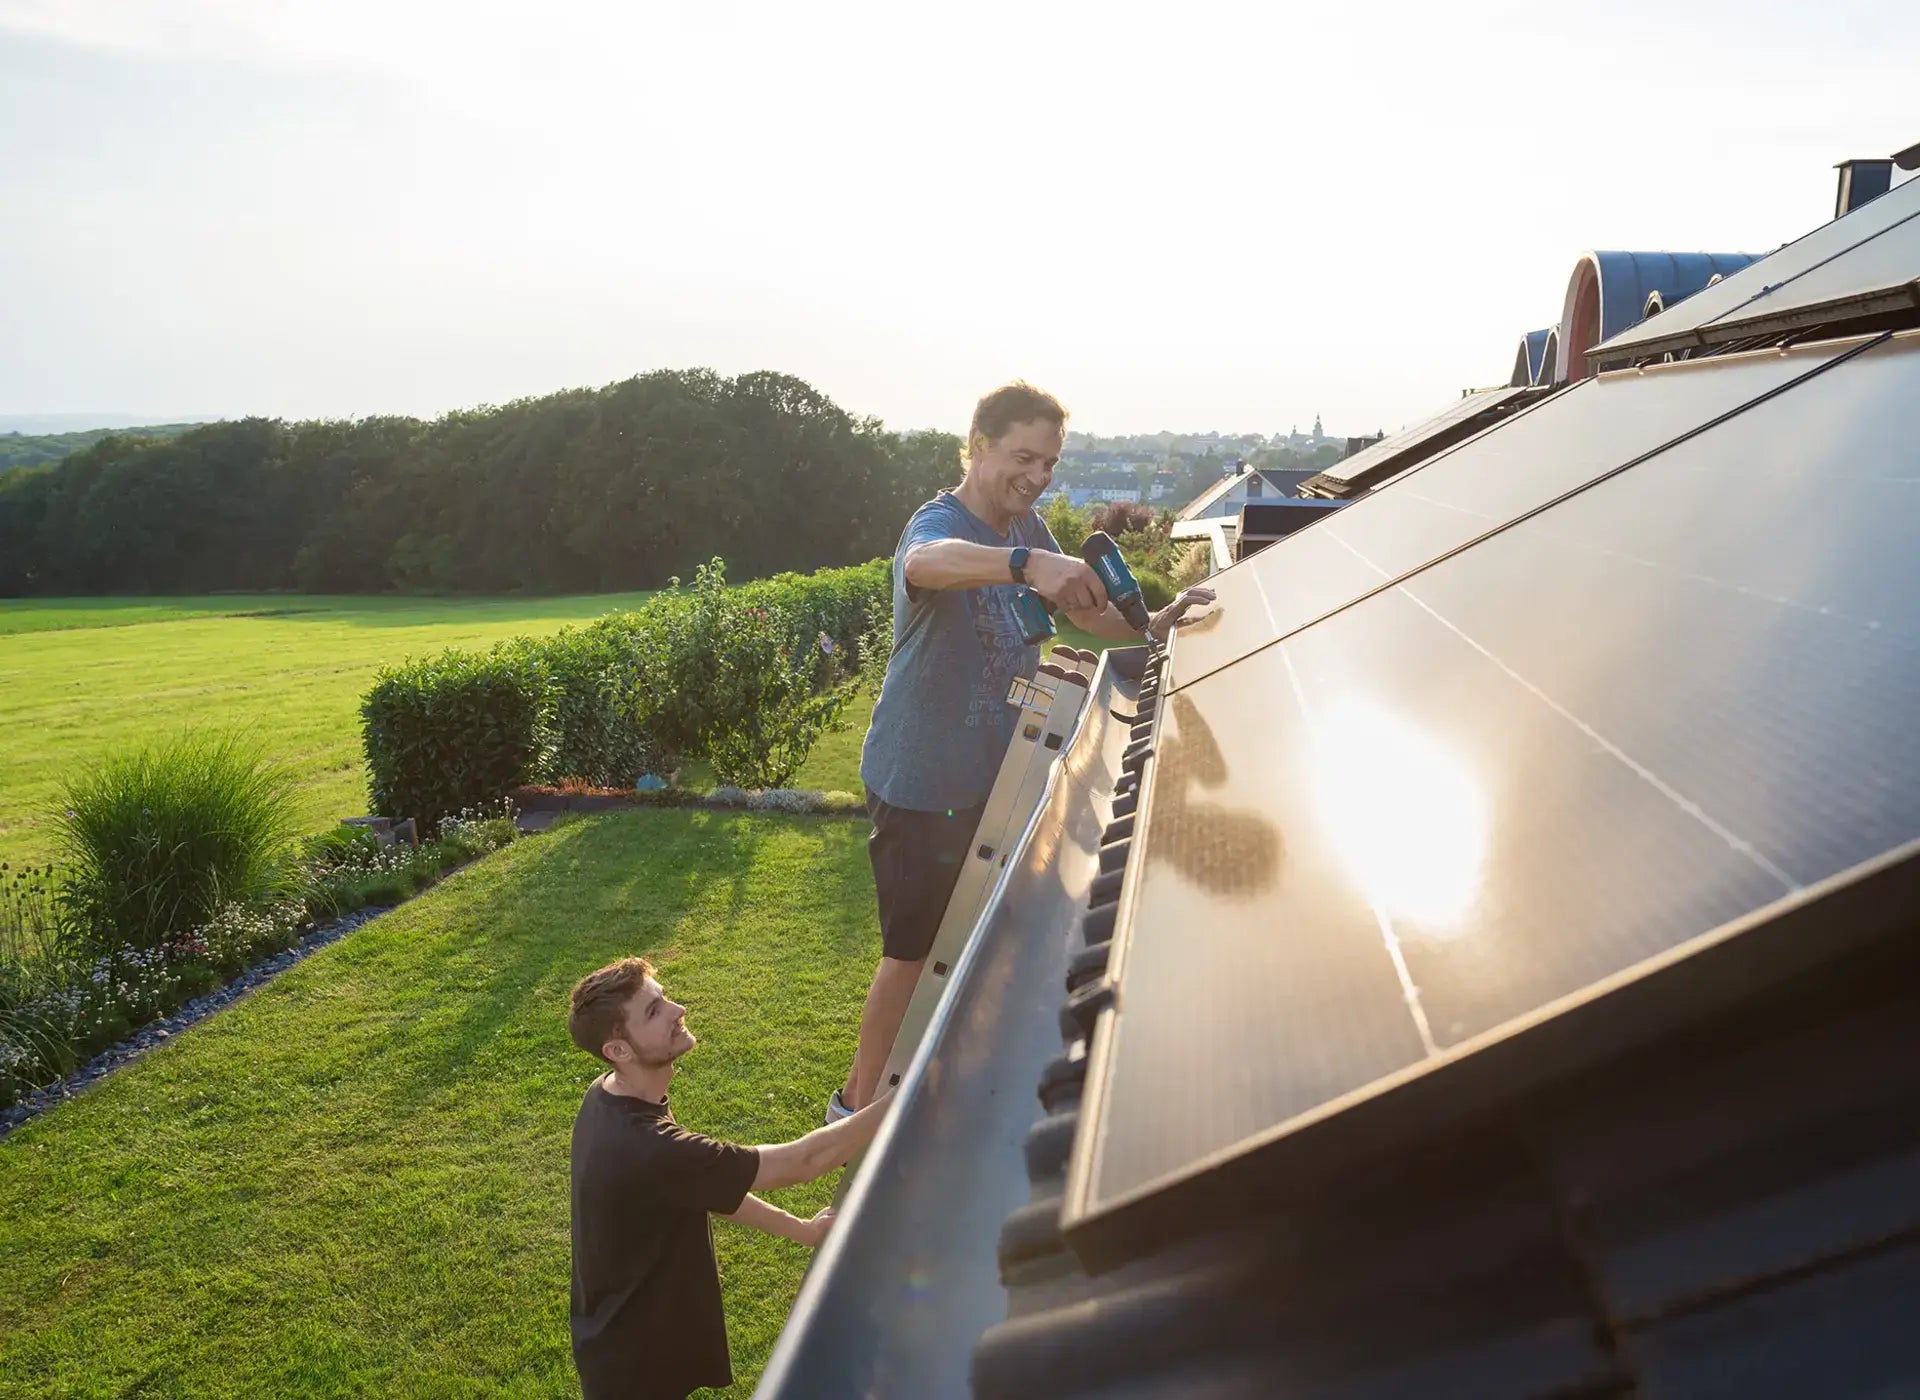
{"points": [[1017, 564]]}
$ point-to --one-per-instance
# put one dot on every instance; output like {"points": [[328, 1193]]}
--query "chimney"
{"points": [[1860, 181]]}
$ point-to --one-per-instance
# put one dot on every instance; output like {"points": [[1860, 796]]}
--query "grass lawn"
{"points": [[80, 677], [354, 1182]]}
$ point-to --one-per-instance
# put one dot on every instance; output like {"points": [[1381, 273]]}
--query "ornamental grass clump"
{"points": [[155, 841], [32, 962]]}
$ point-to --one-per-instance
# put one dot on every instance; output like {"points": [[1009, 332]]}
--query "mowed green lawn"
{"points": [[82, 677], [354, 1181]]}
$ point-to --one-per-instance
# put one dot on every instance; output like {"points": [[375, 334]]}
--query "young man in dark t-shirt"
{"points": [[646, 1314]]}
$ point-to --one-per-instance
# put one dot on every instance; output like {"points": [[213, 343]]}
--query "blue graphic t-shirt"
{"points": [[942, 723]]}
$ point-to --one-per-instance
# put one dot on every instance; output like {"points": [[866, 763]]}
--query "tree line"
{"points": [[587, 490]]}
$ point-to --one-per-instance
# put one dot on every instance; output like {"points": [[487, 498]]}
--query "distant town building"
{"points": [[1304, 442]]}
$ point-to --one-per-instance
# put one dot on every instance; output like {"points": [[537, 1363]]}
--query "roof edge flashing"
{"points": [[1838, 317]]}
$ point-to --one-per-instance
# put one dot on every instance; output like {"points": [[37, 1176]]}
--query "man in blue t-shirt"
{"points": [[942, 723]]}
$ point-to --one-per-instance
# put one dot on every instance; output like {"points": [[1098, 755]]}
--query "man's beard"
{"points": [[651, 1061]]}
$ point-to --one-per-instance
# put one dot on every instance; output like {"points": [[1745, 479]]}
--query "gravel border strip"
{"points": [[159, 1032]]}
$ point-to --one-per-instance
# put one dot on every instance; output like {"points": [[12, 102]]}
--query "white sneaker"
{"points": [[837, 1108]]}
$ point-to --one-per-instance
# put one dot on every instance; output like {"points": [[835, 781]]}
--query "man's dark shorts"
{"points": [[916, 858]]}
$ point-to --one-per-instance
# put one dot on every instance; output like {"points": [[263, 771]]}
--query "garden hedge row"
{"points": [[744, 676]]}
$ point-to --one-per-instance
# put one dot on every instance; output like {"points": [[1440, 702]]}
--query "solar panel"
{"points": [[1553, 447], [1874, 249], [1372, 464], [1526, 776]]}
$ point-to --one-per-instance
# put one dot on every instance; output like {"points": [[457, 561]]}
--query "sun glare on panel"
{"points": [[1407, 815]]}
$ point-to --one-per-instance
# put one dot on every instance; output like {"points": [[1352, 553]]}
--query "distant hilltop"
{"points": [[28, 441], [56, 424]]}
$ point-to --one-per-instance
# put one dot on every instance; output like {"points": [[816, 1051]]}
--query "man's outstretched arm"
{"points": [[820, 1151], [763, 1215]]}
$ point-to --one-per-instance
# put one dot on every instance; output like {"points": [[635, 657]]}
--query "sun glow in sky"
{"points": [[1190, 216]]}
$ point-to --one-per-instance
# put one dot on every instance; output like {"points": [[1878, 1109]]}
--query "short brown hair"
{"points": [[599, 1003], [1018, 402]]}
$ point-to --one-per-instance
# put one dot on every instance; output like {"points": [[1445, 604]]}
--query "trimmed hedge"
{"points": [[456, 730], [747, 677], [597, 707]]}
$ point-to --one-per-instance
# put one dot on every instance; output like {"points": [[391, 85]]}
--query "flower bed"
{"points": [[63, 999], [724, 798], [158, 1032]]}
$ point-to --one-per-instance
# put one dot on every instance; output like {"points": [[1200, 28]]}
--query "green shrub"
{"points": [[456, 730], [734, 677], [154, 841], [1191, 567], [1148, 543], [836, 603], [746, 677], [598, 709], [876, 648], [1070, 525]]}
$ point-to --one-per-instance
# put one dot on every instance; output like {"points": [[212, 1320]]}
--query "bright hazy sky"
{"points": [[1186, 216]]}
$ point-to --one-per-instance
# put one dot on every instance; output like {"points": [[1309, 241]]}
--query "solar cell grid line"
{"points": [[1809, 269], [1383, 917], [1698, 709], [1515, 468]]}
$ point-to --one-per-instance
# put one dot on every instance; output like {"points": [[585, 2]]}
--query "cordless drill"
{"points": [[1102, 555], [1123, 590]]}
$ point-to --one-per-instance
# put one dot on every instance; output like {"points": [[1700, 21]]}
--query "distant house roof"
{"points": [[1279, 482]]}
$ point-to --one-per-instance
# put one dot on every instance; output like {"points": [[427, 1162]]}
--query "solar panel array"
{"points": [[1554, 447], [1634, 665], [1875, 250]]}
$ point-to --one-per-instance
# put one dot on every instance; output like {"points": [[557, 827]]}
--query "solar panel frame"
{"points": [[1862, 903], [1798, 284]]}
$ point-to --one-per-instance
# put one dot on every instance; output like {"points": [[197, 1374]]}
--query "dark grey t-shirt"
{"points": [[646, 1314], [942, 723]]}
